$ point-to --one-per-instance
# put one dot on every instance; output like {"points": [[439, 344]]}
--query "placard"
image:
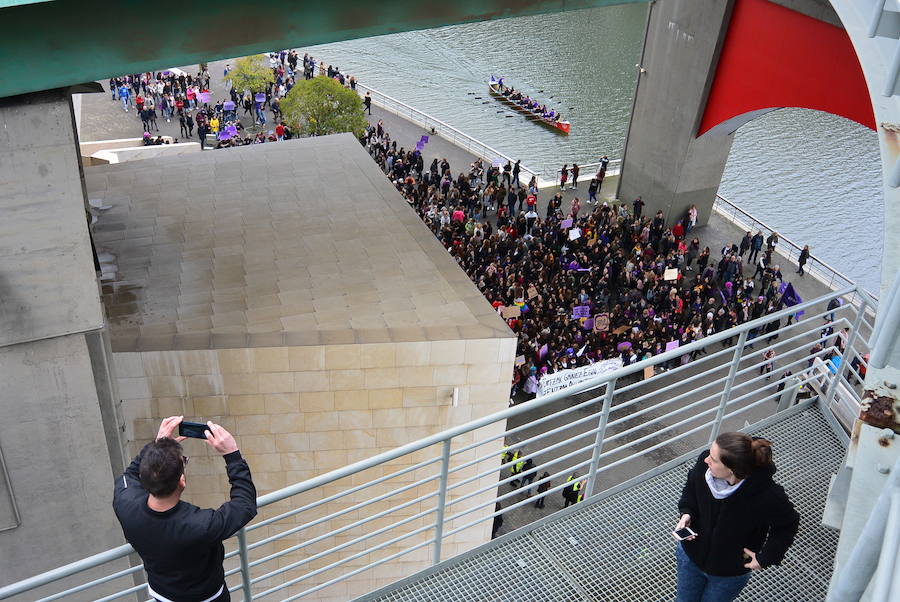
{"points": [[588, 324], [648, 372], [621, 329], [581, 311], [260, 97], [513, 311], [520, 360], [672, 345], [532, 292], [670, 274], [204, 97], [574, 233], [566, 223], [601, 322]]}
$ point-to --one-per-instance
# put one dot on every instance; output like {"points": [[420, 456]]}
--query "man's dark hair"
{"points": [[162, 467]]}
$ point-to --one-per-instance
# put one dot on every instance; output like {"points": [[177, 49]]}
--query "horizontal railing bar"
{"points": [[123, 593], [359, 570], [690, 406], [530, 424], [644, 452], [338, 531], [515, 477], [65, 571], [666, 402], [340, 547], [350, 491], [525, 443], [344, 511], [515, 492], [342, 561], [94, 583], [693, 364]]}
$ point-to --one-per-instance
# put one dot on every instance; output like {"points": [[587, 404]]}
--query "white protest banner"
{"points": [[551, 383]]}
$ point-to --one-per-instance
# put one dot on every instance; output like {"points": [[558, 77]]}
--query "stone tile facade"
{"points": [[299, 412]]}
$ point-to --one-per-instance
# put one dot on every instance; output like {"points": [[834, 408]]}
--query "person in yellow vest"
{"points": [[570, 494], [579, 490], [516, 467]]}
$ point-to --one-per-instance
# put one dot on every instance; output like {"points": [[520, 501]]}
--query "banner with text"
{"points": [[557, 381]]}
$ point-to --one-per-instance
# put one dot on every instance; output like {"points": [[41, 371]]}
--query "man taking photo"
{"points": [[181, 544]]}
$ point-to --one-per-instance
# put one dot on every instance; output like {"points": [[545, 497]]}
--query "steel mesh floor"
{"points": [[620, 548]]}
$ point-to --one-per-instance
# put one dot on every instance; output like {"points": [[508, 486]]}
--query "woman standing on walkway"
{"points": [[743, 520], [563, 175], [804, 257]]}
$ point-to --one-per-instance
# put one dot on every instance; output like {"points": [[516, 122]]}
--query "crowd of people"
{"points": [[595, 284], [176, 95]]}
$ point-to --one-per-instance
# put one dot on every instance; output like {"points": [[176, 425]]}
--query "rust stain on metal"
{"points": [[878, 410]]}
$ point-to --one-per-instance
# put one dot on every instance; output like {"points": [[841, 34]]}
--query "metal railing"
{"points": [[442, 489], [815, 267], [445, 131]]}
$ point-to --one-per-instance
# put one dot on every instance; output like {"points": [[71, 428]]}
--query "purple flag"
{"points": [[543, 351], [588, 324], [566, 223]]}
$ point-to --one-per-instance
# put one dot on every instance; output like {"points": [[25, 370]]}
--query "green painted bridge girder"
{"points": [[59, 43]]}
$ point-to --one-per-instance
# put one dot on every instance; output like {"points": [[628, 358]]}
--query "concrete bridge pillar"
{"points": [[664, 162]]}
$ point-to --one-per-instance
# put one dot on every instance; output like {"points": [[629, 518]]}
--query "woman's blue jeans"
{"points": [[696, 586]]}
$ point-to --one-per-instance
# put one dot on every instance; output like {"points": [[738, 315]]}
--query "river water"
{"points": [[813, 176]]}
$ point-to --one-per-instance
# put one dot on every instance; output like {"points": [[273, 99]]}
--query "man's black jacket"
{"points": [[758, 516], [182, 547]]}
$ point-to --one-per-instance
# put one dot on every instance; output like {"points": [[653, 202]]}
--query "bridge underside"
{"points": [[619, 547], [42, 48]]}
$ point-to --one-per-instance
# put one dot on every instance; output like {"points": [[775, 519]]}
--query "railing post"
{"points": [[245, 565], [726, 393], [601, 434], [851, 340], [442, 502]]}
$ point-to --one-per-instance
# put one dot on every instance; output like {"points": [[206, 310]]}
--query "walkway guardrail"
{"points": [[445, 130], [423, 496], [815, 267]]}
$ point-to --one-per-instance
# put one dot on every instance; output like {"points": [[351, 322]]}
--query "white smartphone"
{"points": [[682, 534]]}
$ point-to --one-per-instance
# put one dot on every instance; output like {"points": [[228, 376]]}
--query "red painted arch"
{"points": [[774, 57]]}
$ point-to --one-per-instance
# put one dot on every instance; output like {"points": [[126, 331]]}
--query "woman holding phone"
{"points": [[740, 520]]}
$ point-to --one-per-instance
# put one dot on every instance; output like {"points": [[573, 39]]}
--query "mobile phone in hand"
{"points": [[196, 430], [684, 533]]}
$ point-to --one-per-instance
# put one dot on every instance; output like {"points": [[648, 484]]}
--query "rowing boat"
{"points": [[562, 127]]}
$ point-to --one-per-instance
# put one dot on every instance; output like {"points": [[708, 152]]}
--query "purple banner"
{"points": [[543, 351], [581, 311]]}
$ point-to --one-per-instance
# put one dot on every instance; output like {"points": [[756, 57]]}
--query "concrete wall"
{"points": [[302, 411], [56, 453], [47, 282], [663, 161]]}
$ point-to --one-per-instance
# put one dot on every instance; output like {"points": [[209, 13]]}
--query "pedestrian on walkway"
{"points": [[750, 531], [575, 171], [367, 102], [528, 477], [542, 488], [756, 244], [189, 120], [804, 257], [202, 131], [592, 190], [570, 492], [638, 206], [182, 123], [563, 176]]}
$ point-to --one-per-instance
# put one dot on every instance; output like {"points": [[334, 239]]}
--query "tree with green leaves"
{"points": [[251, 73], [321, 105]]}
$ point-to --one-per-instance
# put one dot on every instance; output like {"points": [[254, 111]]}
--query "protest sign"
{"points": [[574, 233], [550, 383], [513, 311], [520, 360], [532, 292], [581, 311], [601, 322], [566, 223], [670, 274], [672, 345], [648, 372]]}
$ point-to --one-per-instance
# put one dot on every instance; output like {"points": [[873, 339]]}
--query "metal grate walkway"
{"points": [[619, 548]]}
